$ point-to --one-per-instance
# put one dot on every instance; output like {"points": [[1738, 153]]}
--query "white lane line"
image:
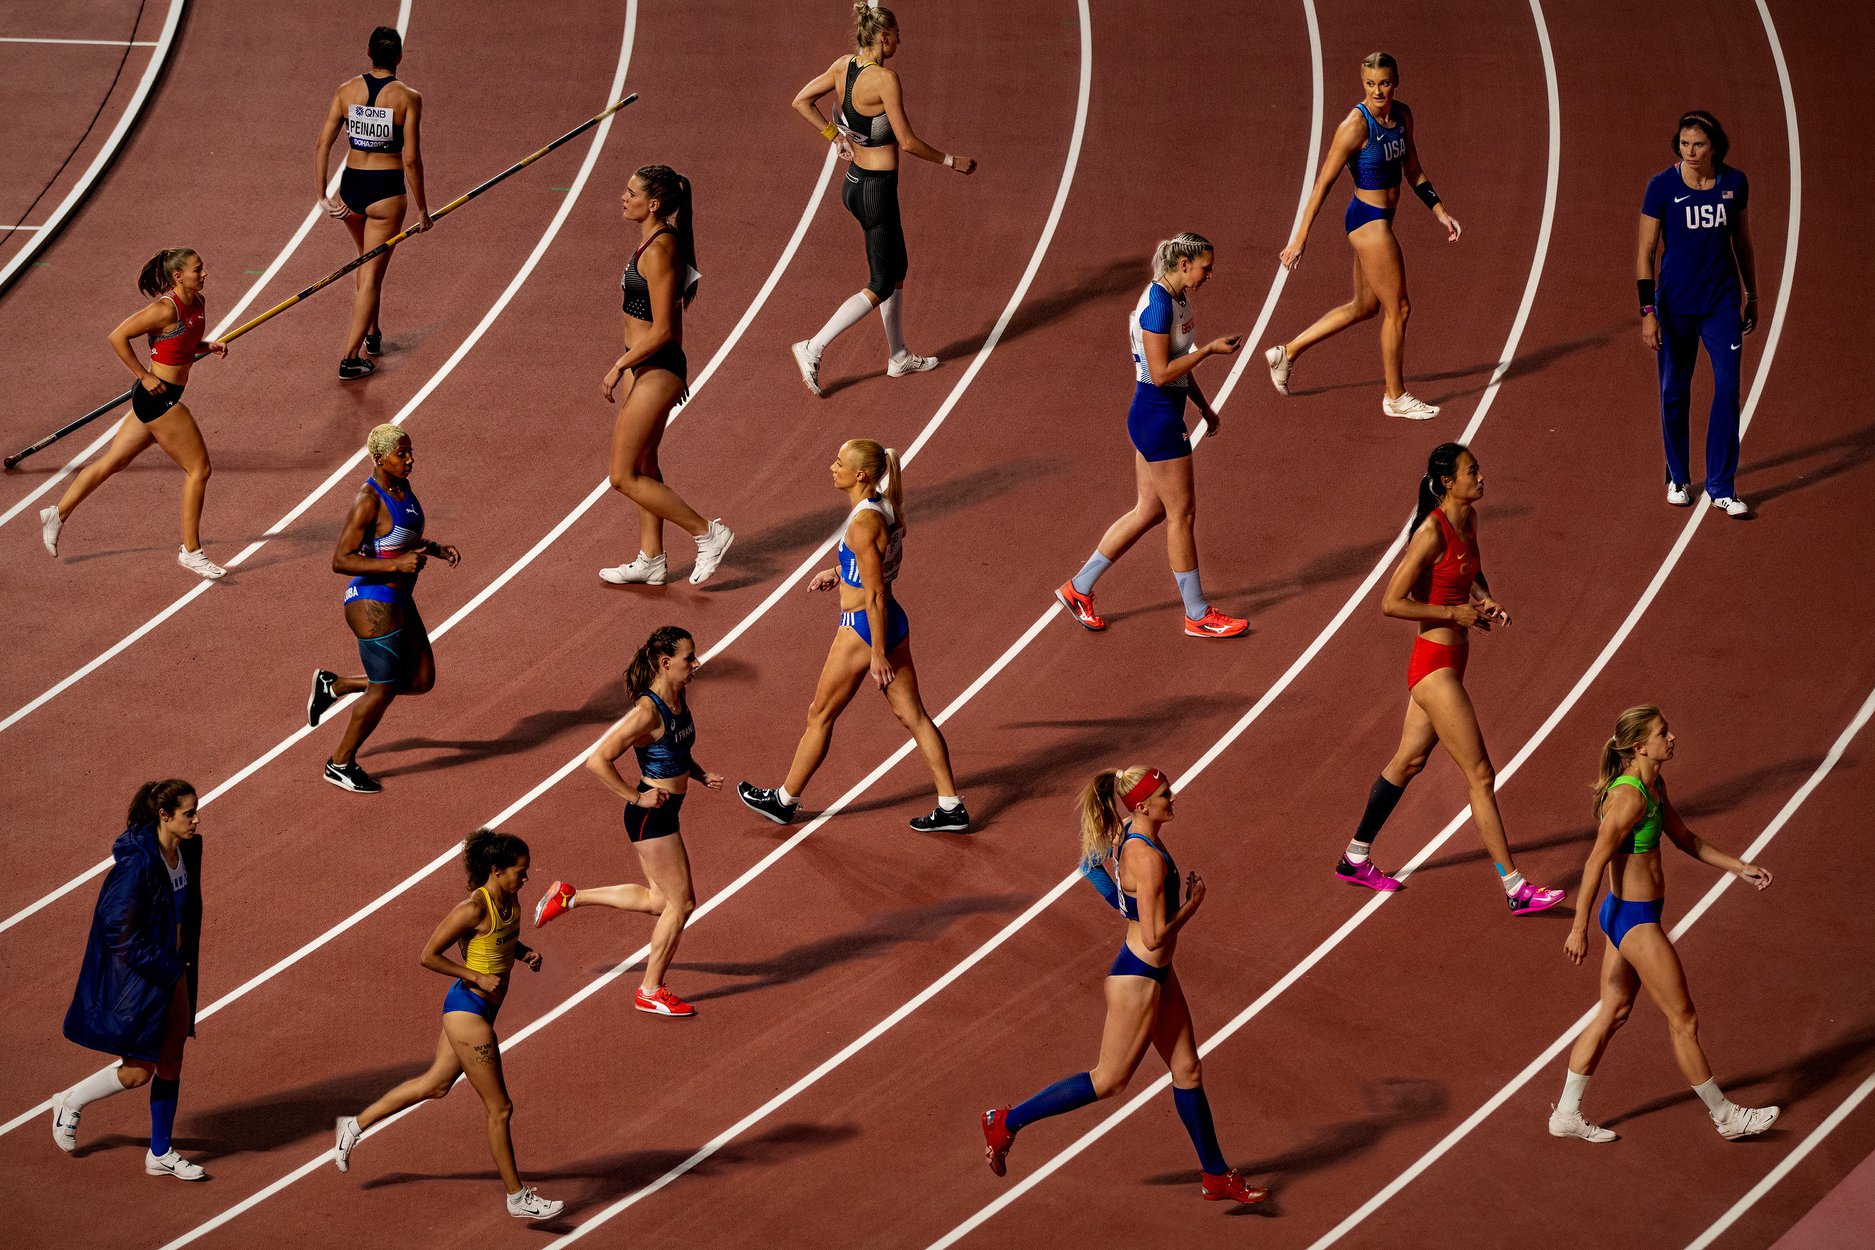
{"points": [[1673, 557], [164, 42], [1784, 1168], [227, 323], [449, 856], [1544, 1061], [22, 229], [107, 43]]}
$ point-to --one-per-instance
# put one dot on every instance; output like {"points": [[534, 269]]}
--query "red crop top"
{"points": [[176, 345], [1449, 580]]}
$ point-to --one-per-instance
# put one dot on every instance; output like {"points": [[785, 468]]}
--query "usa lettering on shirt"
{"points": [[369, 125], [1704, 216]]}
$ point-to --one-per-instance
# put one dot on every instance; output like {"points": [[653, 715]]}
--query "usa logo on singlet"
{"points": [[1705, 216]]}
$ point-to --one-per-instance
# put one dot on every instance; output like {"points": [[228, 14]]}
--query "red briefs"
{"points": [[1429, 657]]}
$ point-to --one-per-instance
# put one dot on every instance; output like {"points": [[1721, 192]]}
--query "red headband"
{"points": [[1144, 788]]}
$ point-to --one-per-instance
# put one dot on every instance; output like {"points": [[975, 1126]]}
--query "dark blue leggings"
{"points": [[1680, 337]]}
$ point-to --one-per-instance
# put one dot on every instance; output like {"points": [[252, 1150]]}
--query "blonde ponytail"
{"points": [[1101, 817], [1632, 728]]}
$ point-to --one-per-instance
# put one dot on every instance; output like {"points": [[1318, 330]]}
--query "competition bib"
{"points": [[369, 126]]}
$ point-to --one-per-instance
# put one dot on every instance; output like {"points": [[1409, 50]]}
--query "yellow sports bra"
{"points": [[492, 953]]}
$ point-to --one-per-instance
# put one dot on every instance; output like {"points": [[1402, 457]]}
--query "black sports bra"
{"points": [[868, 130], [370, 126]]}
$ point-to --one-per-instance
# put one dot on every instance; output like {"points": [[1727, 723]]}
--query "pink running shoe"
{"points": [[1364, 873], [997, 1138], [558, 899], [1530, 899]]}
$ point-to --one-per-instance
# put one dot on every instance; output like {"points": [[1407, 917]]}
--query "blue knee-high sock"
{"points": [[1195, 1110], [1064, 1095], [162, 1114]]}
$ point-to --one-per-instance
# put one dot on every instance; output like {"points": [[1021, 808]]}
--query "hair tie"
{"points": [[1144, 789]]}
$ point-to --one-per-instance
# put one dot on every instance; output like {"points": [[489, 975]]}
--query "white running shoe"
{"points": [[1280, 365], [197, 562], [710, 551], [348, 1134], [64, 1124], [809, 364], [1732, 506], [1737, 1121], [172, 1164], [899, 366], [1679, 496], [49, 527], [525, 1204], [643, 571], [1408, 407], [1561, 1125]]}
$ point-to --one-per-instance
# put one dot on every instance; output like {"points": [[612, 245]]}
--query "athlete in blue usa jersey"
{"points": [[1165, 357], [1375, 143], [1693, 219]]}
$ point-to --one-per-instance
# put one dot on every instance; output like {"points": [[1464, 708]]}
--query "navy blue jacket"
{"points": [[132, 959]]}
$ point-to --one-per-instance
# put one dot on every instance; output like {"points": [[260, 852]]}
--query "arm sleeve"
{"points": [[1654, 202], [1097, 876], [1157, 316]]}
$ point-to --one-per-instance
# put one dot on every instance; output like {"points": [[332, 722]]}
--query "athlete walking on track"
{"points": [[871, 126], [1123, 853], [174, 320], [1440, 585], [1632, 805], [486, 926], [660, 732], [1693, 220], [1165, 362], [382, 120], [1377, 145]]}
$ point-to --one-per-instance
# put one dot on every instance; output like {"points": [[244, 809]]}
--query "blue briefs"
{"points": [[1360, 212], [1618, 915], [462, 998], [1127, 964], [1156, 421], [897, 627]]}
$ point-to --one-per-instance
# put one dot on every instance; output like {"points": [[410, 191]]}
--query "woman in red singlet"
{"points": [[174, 320], [1440, 584]]}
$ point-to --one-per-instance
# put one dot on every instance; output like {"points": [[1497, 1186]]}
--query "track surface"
{"points": [[1758, 643]]}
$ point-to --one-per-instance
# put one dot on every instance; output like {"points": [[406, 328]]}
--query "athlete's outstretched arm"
{"points": [[1704, 851], [892, 97]]}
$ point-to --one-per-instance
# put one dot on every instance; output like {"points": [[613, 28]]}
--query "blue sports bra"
{"points": [[1377, 166], [669, 756], [894, 544], [1129, 905], [371, 127], [406, 534]]}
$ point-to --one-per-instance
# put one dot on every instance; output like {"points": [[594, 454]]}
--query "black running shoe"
{"points": [[322, 697], [955, 820], [767, 802], [356, 367], [374, 343], [351, 777]]}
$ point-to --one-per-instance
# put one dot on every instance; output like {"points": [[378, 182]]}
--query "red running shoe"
{"points": [[1080, 607], [1214, 624], [998, 1138], [661, 1002], [1229, 1187], [557, 899]]}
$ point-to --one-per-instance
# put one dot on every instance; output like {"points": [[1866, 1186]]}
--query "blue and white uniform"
{"points": [[1156, 420], [1696, 299], [384, 656], [897, 627], [1378, 165]]}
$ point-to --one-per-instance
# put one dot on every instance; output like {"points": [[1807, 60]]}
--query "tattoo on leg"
{"points": [[487, 1052]]}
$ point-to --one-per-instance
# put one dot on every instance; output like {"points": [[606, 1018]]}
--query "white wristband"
{"points": [[950, 162]]}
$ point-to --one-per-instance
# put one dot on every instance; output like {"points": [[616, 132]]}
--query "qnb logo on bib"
{"points": [[1704, 216], [369, 126]]}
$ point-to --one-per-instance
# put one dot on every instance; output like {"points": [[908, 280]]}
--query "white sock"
{"points": [[781, 792], [1574, 1086], [949, 802], [1714, 1098], [94, 1087], [844, 318], [1513, 881], [894, 332], [1357, 852]]}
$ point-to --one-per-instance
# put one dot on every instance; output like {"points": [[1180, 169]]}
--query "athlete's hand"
{"points": [[485, 981], [1224, 346], [215, 349], [1292, 255], [424, 222], [1759, 877], [612, 378], [530, 957], [409, 562], [1469, 616], [446, 552], [882, 670], [1749, 319], [826, 579], [1576, 945], [1211, 422], [963, 164], [335, 207], [1650, 332], [1194, 890], [712, 781], [1492, 610], [154, 384], [653, 798], [1452, 230]]}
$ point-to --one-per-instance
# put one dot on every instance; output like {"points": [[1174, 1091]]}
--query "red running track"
{"points": [[1379, 1051]]}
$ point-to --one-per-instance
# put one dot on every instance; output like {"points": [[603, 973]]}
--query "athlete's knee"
{"points": [[1683, 1023], [1619, 1016], [500, 1109], [437, 1089], [135, 1075], [684, 905], [1482, 776], [1397, 309], [1187, 1071], [203, 471], [1106, 1084], [1409, 766], [1361, 307], [420, 683]]}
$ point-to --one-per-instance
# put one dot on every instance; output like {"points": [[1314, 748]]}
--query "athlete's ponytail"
{"points": [[488, 851], [644, 664], [672, 192], [1101, 817], [1632, 728], [159, 272], [156, 799], [880, 466], [1441, 464], [1185, 246], [869, 22]]}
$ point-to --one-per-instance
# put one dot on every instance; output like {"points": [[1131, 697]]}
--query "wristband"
{"points": [[1647, 310], [950, 162], [1644, 287], [1424, 191], [828, 131]]}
